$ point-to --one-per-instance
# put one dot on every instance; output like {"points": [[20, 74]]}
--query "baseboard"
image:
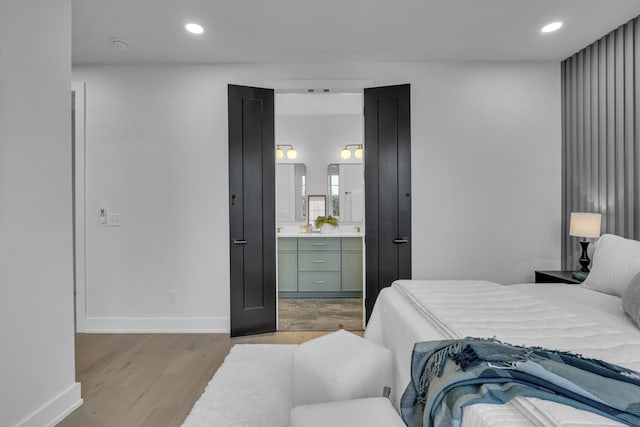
{"points": [[54, 411], [218, 325]]}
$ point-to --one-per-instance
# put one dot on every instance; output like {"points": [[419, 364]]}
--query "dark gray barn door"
{"points": [[252, 210], [387, 123]]}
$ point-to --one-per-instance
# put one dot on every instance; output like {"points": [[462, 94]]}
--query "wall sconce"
{"points": [[291, 152], [346, 152]]}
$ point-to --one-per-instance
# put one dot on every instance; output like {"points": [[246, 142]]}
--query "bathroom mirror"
{"points": [[291, 197], [317, 205], [346, 192]]}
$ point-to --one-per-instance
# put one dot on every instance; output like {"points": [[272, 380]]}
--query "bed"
{"points": [[557, 316], [585, 319]]}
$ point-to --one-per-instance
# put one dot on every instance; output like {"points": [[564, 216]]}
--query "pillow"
{"points": [[615, 262], [339, 366], [631, 299], [372, 412]]}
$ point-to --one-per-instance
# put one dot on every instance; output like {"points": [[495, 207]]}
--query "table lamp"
{"points": [[582, 224]]}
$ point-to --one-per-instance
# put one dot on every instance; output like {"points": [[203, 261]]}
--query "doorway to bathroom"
{"points": [[256, 252], [320, 206]]}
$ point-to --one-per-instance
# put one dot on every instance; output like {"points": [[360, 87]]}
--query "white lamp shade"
{"points": [[279, 153], [584, 224], [358, 152], [292, 153], [346, 153]]}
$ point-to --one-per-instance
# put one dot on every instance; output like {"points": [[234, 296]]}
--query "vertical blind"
{"points": [[600, 133]]}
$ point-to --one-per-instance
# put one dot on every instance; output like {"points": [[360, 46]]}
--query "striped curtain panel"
{"points": [[600, 133]]}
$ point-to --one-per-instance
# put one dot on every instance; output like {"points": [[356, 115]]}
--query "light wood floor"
{"points": [[319, 314], [151, 379]]}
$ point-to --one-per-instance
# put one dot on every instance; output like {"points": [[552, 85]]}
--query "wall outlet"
{"points": [[113, 220], [172, 297]]}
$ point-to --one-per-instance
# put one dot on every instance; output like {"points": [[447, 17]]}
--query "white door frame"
{"points": [[80, 205]]}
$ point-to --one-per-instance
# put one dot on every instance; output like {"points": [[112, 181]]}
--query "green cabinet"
{"points": [[319, 281], [352, 264], [319, 261], [319, 243], [352, 271], [328, 267], [288, 264]]}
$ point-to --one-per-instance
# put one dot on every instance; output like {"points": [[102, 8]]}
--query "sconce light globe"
{"points": [[358, 152], [292, 153], [279, 153], [346, 153]]}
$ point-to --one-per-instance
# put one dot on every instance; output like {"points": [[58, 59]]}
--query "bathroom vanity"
{"points": [[312, 265]]}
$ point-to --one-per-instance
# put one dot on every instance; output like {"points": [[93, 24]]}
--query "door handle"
{"points": [[239, 242], [401, 240]]}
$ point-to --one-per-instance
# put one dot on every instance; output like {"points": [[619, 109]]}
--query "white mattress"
{"points": [[552, 316], [583, 301]]}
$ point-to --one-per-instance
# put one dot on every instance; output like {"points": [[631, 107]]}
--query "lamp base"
{"points": [[584, 257]]}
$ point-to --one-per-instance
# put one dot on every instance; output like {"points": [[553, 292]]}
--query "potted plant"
{"points": [[326, 224]]}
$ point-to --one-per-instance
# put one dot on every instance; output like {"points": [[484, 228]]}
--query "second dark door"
{"points": [[252, 210], [387, 122]]}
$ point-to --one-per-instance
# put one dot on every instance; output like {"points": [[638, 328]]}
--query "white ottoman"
{"points": [[339, 366], [373, 412]]}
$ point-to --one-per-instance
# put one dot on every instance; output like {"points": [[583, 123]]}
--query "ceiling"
{"points": [[270, 31]]}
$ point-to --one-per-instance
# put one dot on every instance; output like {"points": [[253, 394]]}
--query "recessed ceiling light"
{"points": [[194, 28], [554, 26]]}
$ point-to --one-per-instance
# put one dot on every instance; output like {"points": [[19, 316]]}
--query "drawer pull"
{"points": [[319, 261], [318, 244], [319, 282]]}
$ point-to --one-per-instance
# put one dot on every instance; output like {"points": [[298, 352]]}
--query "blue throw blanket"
{"points": [[451, 374]]}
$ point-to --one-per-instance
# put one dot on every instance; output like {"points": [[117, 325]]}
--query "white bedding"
{"points": [[552, 316], [583, 301]]}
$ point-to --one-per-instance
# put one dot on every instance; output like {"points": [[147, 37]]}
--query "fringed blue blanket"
{"points": [[448, 375]]}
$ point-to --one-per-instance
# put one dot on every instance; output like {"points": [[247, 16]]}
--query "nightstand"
{"points": [[556, 277]]}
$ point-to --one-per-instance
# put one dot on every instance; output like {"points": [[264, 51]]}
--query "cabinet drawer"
{"points": [[319, 282], [319, 261], [319, 244], [287, 244]]}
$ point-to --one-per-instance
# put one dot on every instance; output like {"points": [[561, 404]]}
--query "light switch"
{"points": [[113, 220]]}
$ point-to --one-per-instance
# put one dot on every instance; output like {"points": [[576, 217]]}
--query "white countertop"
{"points": [[336, 234]]}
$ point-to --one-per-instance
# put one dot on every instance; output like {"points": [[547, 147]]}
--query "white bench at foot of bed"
{"points": [[252, 388], [259, 384], [374, 411]]}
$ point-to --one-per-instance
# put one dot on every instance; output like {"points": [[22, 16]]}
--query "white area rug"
{"points": [[252, 388]]}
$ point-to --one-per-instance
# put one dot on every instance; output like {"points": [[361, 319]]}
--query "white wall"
{"points": [[37, 385], [487, 191], [319, 126], [485, 171], [319, 140]]}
